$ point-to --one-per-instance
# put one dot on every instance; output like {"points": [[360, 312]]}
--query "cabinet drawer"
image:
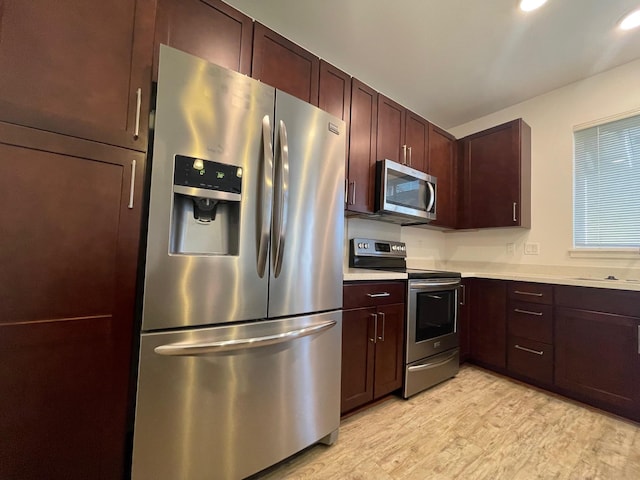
{"points": [[367, 294], [531, 292], [530, 359], [531, 320]]}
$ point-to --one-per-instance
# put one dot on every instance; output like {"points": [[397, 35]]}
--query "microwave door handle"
{"points": [[281, 199], [265, 207], [433, 196]]}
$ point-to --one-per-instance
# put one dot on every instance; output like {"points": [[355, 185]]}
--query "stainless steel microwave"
{"points": [[405, 193]]}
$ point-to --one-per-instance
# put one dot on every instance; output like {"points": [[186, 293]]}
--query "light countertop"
{"points": [[355, 274]]}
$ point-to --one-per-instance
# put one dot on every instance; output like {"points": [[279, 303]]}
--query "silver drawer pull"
{"points": [[525, 349], [381, 294], [528, 293], [528, 312]]}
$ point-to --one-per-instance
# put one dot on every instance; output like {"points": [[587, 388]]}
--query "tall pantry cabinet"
{"points": [[75, 87]]}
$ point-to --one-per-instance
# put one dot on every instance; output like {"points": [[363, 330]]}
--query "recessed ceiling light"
{"points": [[630, 21], [528, 5]]}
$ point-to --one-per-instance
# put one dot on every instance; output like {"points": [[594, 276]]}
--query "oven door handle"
{"points": [[426, 366], [417, 284]]}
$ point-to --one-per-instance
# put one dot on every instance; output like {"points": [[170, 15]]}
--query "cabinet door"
{"points": [[597, 357], [81, 68], [488, 322], [391, 131], [362, 148], [389, 364], [417, 141], [334, 96], [442, 158], [283, 64], [357, 358], [209, 29], [497, 177], [68, 252]]}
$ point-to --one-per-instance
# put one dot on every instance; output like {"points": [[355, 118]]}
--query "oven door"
{"points": [[432, 317], [405, 191]]}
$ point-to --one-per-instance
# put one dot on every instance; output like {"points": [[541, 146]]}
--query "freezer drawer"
{"points": [[226, 402]]}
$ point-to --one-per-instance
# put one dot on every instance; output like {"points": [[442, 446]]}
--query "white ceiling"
{"points": [[453, 61]]}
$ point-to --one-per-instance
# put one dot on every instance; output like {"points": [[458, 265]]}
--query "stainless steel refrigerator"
{"points": [[241, 324]]}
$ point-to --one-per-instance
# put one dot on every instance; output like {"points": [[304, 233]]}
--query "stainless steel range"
{"points": [[431, 348]]}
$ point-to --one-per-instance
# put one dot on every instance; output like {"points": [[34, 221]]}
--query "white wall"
{"points": [[552, 117]]}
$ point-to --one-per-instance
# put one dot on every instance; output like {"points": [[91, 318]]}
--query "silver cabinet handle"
{"points": [[193, 349], [404, 154], [132, 187], [409, 155], [136, 133], [426, 366], [529, 293], [375, 328], [353, 193], [265, 207], [464, 295], [376, 295], [281, 201], [525, 349], [528, 312], [515, 219], [384, 317]]}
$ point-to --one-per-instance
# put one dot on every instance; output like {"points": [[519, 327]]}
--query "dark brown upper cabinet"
{"points": [[209, 29], [362, 148], [403, 136], [71, 214], [283, 64], [335, 91], [80, 68], [442, 165], [335, 97], [496, 177]]}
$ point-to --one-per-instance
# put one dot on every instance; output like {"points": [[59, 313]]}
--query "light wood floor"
{"points": [[478, 425]]}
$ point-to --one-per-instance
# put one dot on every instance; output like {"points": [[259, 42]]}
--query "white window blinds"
{"points": [[606, 194]]}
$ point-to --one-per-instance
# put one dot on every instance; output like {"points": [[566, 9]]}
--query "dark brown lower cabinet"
{"points": [[597, 357], [487, 329], [530, 331], [358, 356], [372, 341], [68, 251]]}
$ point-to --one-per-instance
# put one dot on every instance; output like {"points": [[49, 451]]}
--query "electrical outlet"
{"points": [[531, 248], [511, 248]]}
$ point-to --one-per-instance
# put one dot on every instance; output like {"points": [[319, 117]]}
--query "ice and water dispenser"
{"points": [[206, 207]]}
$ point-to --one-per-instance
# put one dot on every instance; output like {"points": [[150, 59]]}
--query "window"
{"points": [[606, 193]]}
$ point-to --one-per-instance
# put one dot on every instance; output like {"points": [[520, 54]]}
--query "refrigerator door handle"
{"points": [[195, 349], [264, 198], [281, 200]]}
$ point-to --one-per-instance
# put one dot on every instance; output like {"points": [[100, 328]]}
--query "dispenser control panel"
{"points": [[197, 173]]}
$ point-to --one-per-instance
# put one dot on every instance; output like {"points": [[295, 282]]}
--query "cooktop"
{"points": [[388, 256]]}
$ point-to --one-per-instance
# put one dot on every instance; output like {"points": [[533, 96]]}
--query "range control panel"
{"points": [[367, 247]]}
